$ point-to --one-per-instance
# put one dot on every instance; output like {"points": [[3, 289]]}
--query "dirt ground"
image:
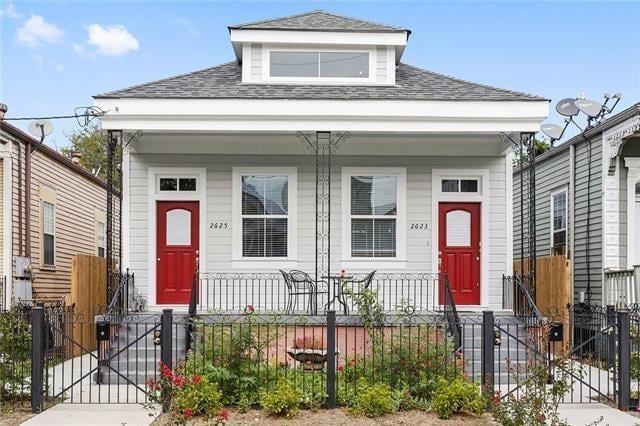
{"points": [[340, 417], [14, 416]]}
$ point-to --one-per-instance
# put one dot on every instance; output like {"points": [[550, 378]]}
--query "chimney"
{"points": [[75, 157]]}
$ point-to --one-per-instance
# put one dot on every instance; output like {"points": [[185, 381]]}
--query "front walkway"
{"points": [[95, 414], [586, 414]]}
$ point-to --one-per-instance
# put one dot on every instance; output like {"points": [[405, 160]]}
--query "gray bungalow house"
{"points": [[317, 149], [588, 209]]}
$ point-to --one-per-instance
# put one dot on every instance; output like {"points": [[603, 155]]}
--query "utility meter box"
{"points": [[23, 268]]}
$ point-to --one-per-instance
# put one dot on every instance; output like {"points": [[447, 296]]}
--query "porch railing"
{"points": [[267, 291], [451, 313], [621, 287], [121, 294], [516, 296]]}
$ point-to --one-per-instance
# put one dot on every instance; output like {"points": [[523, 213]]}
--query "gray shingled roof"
{"points": [[225, 82], [318, 20]]}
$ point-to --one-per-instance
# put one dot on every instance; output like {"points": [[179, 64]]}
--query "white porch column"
{"points": [[633, 212]]}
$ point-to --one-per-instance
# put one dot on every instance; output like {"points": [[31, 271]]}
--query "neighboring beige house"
{"points": [[63, 214]]}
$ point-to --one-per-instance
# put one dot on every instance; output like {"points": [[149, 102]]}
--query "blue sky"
{"points": [[56, 54]]}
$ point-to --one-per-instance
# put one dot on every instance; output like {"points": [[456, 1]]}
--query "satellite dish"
{"points": [[567, 107], [552, 130], [41, 128], [591, 108]]}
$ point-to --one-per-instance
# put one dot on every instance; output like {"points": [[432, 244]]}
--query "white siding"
{"points": [[256, 62], [219, 177], [381, 64]]}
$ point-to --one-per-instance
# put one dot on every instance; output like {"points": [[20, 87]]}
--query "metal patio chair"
{"points": [[354, 287], [300, 283]]}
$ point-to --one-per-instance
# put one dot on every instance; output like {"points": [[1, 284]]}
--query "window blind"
{"points": [[265, 210], [373, 216]]}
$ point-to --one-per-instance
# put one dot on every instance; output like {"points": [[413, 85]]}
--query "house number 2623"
{"points": [[419, 226], [218, 225]]}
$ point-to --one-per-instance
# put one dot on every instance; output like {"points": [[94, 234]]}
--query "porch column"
{"points": [[633, 211]]}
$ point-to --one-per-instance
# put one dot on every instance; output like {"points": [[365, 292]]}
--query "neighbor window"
{"points": [[101, 232], [319, 64], [559, 223], [373, 215], [460, 185], [180, 184], [265, 215], [48, 233]]}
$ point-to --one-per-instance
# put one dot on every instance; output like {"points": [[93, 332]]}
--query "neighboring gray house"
{"points": [[603, 212]]}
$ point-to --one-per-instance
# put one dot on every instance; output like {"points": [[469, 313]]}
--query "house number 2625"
{"points": [[218, 225]]}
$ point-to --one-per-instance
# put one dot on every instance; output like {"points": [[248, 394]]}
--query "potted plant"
{"points": [[311, 352]]}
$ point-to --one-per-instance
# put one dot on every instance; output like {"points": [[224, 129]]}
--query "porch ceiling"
{"points": [[286, 143]]}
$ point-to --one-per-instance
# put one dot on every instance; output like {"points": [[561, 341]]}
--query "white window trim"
{"points": [[98, 223], [176, 176], [482, 197], [553, 193], [266, 66], [368, 263], [238, 261], [7, 234], [155, 195]]}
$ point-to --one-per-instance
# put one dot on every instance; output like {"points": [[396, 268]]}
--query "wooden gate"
{"points": [[552, 290], [88, 294]]}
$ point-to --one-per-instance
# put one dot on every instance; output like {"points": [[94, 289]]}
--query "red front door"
{"points": [[459, 250], [177, 250]]}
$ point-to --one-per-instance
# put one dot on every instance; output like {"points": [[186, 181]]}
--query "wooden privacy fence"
{"points": [[88, 296], [552, 290]]}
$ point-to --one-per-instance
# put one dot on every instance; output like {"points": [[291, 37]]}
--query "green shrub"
{"points": [[457, 396], [283, 401], [374, 401], [635, 366], [201, 397], [15, 353]]}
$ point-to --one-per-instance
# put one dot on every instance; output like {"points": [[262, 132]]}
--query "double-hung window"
{"points": [[374, 209], [559, 222], [265, 215], [48, 234], [101, 232]]}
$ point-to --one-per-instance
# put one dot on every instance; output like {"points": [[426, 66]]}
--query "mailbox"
{"points": [[557, 332], [103, 329]]}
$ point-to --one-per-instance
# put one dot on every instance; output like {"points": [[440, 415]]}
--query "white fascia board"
{"points": [[351, 115], [318, 37]]}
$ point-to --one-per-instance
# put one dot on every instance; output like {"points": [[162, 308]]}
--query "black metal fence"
{"points": [[116, 359], [266, 291]]}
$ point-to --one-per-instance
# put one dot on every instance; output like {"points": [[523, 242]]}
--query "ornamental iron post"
{"points": [[323, 146], [113, 138], [624, 360], [331, 359], [488, 355], [37, 357]]}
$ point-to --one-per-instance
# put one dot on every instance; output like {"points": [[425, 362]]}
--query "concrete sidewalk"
{"points": [[586, 414], [95, 414]]}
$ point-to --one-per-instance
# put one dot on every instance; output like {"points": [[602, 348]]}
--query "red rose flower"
{"points": [[187, 413], [340, 368]]}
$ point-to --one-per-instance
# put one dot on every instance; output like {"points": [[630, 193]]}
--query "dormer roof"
{"points": [[319, 20]]}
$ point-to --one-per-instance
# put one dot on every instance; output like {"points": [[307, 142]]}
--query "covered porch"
{"points": [[407, 193]]}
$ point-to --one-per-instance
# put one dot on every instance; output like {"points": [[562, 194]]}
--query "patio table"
{"points": [[338, 294]]}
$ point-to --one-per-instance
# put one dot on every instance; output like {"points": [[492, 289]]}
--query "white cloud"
{"points": [[78, 48], [187, 24], [59, 67], [35, 31], [43, 64], [10, 11], [112, 40]]}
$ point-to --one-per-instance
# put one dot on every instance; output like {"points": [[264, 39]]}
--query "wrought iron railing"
{"points": [[517, 297], [267, 291], [4, 304], [121, 295], [621, 287], [451, 313]]}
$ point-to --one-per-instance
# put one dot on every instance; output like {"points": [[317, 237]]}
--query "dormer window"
{"points": [[318, 65]]}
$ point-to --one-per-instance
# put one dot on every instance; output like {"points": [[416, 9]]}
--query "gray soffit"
{"points": [[225, 82], [318, 20]]}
